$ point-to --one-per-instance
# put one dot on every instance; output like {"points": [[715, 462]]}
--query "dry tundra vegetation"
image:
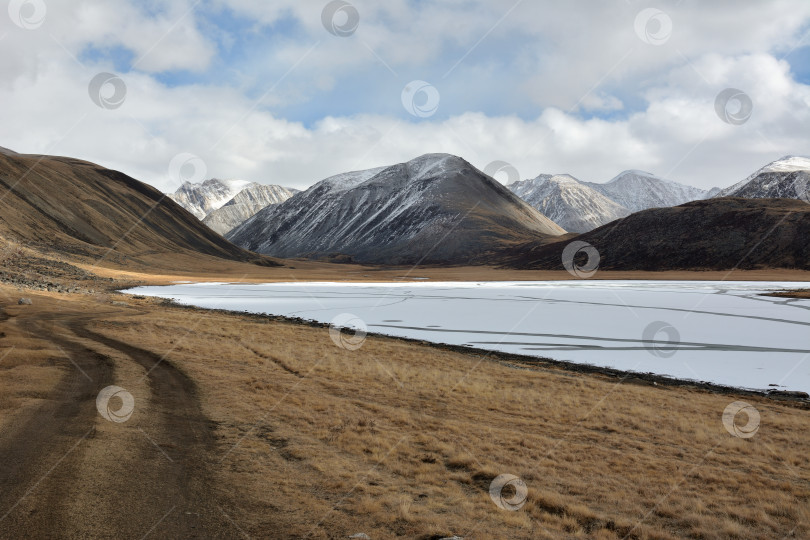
{"points": [[401, 439]]}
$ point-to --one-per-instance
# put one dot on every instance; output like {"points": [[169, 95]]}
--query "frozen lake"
{"points": [[721, 332]]}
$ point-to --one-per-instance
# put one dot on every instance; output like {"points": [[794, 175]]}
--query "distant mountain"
{"points": [[787, 177], [97, 215], [434, 209], [713, 234], [569, 203], [638, 190], [202, 198], [245, 204]]}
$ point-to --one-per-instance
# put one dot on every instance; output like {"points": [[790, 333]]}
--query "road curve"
{"points": [[66, 472]]}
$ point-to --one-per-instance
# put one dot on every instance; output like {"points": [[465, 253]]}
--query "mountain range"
{"points": [[581, 206], [246, 204], [436, 208], [639, 190], [224, 204], [571, 204], [576, 206], [202, 198]]}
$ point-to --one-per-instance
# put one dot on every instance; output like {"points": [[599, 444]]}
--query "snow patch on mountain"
{"points": [[201, 198], [569, 203], [435, 208], [787, 177], [245, 204], [639, 190]]}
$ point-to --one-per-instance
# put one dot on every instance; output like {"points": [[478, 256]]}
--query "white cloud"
{"points": [[588, 61], [166, 38]]}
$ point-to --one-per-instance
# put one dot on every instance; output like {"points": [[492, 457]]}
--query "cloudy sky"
{"points": [[292, 91]]}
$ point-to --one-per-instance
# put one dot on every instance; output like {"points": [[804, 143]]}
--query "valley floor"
{"points": [[246, 427]]}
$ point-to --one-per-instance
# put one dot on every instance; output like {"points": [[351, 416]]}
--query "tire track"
{"points": [[60, 477]]}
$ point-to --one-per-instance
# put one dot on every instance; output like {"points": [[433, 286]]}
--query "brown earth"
{"points": [[69, 473], [246, 426], [76, 209], [715, 234]]}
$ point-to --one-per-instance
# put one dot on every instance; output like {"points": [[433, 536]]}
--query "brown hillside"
{"points": [[80, 209], [715, 234]]}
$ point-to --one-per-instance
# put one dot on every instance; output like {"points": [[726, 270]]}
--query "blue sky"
{"points": [[261, 90]]}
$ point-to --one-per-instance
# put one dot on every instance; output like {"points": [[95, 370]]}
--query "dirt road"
{"points": [[67, 472]]}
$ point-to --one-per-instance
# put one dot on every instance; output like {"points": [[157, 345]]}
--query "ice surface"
{"points": [[728, 333]]}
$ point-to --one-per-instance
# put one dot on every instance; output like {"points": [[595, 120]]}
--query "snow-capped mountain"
{"points": [[571, 204], [436, 208], [245, 204], [788, 177], [202, 198], [639, 190]]}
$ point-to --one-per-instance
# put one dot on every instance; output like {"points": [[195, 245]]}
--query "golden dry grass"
{"points": [[29, 369], [800, 293], [398, 439], [210, 269]]}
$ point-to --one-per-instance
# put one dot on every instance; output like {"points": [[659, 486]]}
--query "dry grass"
{"points": [[30, 368], [799, 293], [398, 439]]}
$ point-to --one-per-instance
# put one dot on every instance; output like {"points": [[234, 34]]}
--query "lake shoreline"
{"points": [[519, 361]]}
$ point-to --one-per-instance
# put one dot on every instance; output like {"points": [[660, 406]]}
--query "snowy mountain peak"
{"points": [[641, 190], [564, 179], [571, 204], [215, 184], [246, 204], [434, 208], [787, 177], [433, 164], [417, 168], [787, 164], [203, 197], [635, 175]]}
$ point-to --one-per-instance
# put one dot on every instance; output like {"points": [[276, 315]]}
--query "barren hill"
{"points": [[83, 210], [716, 234]]}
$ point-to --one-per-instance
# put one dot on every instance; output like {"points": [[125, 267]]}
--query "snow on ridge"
{"points": [[349, 180], [235, 183], [635, 173], [417, 168], [787, 164]]}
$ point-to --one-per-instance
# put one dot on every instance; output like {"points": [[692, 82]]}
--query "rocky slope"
{"points": [[434, 209], [638, 190], [788, 177], [568, 202], [246, 204], [202, 198]]}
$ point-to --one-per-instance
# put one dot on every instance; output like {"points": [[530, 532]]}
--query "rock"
{"points": [[788, 394], [362, 536], [24, 302]]}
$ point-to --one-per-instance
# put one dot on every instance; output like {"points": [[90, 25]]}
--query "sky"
{"points": [[292, 91]]}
